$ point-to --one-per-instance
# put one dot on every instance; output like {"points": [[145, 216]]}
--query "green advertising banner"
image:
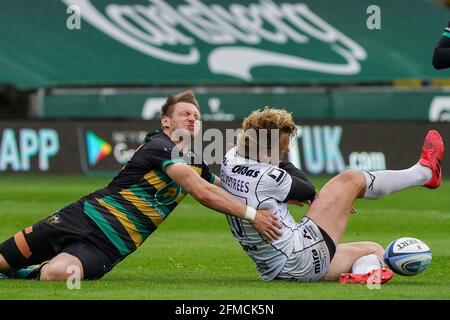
{"points": [[223, 106], [319, 104], [215, 42], [103, 147], [388, 104]]}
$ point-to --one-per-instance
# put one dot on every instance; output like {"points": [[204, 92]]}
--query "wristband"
{"points": [[250, 214]]}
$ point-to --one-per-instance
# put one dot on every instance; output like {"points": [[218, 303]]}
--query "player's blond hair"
{"points": [[268, 119], [185, 96]]}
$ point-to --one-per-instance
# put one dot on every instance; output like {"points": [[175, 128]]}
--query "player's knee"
{"points": [[52, 272], [61, 270], [4, 266], [354, 178], [349, 176], [374, 248]]}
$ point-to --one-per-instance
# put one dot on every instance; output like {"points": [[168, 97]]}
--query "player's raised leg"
{"points": [[331, 209], [332, 206]]}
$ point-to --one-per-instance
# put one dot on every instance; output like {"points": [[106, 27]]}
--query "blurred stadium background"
{"points": [[81, 83], [78, 77]]}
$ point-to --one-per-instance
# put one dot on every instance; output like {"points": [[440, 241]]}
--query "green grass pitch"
{"points": [[193, 255]]}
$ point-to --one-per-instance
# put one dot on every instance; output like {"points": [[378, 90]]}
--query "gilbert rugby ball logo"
{"points": [[231, 38], [97, 148]]}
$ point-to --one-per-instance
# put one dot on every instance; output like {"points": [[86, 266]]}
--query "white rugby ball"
{"points": [[407, 256]]}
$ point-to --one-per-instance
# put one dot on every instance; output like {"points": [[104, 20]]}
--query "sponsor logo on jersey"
{"points": [[306, 235], [245, 171], [316, 261], [312, 233]]}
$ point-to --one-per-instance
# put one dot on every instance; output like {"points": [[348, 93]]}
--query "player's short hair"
{"points": [[185, 96], [268, 119]]}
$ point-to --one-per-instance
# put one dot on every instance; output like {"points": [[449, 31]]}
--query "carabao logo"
{"points": [[440, 109], [97, 148], [229, 38]]}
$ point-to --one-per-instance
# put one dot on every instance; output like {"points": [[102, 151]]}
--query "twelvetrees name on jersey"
{"points": [[237, 184]]}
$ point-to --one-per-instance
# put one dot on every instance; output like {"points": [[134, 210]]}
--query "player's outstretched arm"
{"points": [[441, 56], [215, 198]]}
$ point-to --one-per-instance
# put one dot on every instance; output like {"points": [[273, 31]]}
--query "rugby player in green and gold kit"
{"points": [[101, 229]]}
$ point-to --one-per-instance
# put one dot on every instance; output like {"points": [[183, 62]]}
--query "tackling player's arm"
{"points": [[441, 56], [215, 198], [216, 181]]}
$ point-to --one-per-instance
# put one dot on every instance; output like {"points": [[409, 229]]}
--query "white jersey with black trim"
{"points": [[260, 186]]}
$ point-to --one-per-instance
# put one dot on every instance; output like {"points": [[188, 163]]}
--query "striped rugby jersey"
{"points": [[142, 195]]}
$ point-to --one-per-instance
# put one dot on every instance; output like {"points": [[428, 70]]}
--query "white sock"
{"points": [[381, 183], [366, 264]]}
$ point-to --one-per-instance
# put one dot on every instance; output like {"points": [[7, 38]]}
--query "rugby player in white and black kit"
{"points": [[310, 250]]}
